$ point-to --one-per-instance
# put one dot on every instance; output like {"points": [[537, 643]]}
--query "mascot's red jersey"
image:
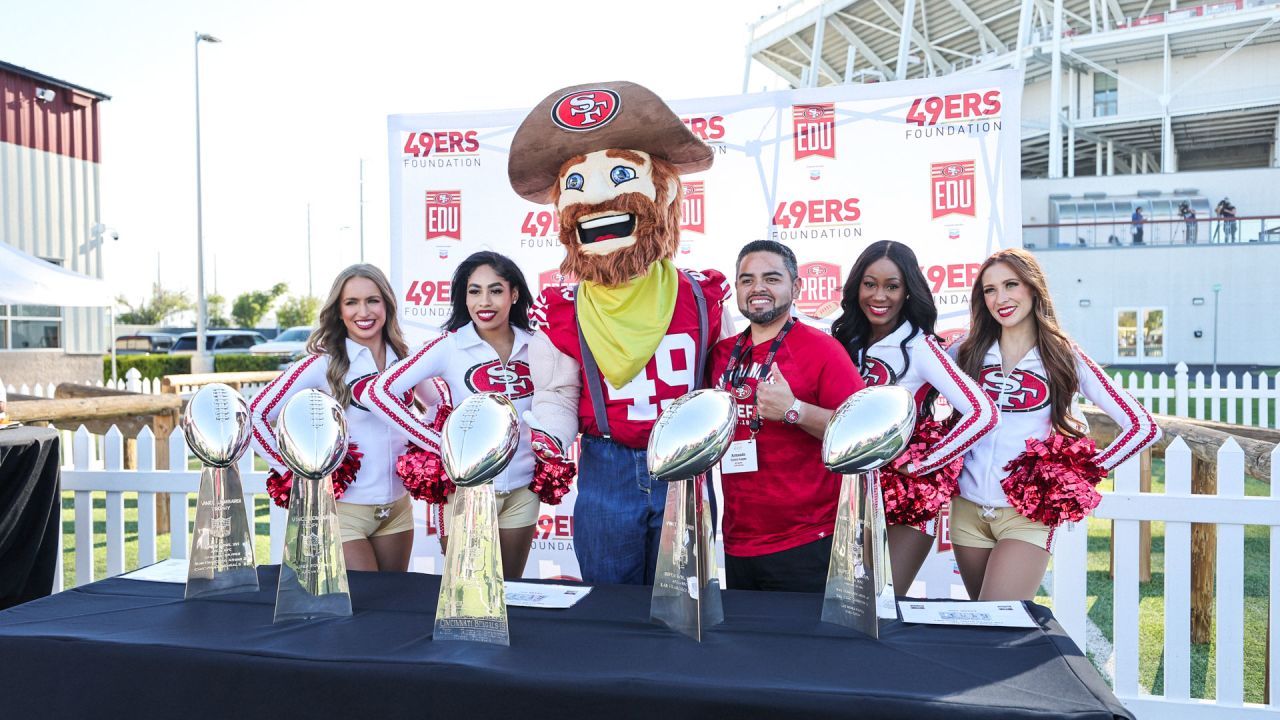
{"points": [[670, 373]]}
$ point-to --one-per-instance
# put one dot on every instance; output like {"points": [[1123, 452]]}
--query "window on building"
{"points": [[30, 327], [1105, 94], [1140, 334]]}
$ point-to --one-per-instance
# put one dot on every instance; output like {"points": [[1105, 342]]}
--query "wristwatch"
{"points": [[792, 415]]}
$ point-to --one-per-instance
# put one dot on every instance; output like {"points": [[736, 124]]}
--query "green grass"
{"points": [[1151, 603], [261, 528]]}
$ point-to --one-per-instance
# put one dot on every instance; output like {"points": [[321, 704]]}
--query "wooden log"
{"points": [[172, 383], [98, 408], [1204, 549], [77, 390], [1203, 440], [162, 427]]}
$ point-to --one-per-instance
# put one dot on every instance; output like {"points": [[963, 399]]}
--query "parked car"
{"points": [[220, 342], [287, 344], [144, 344]]}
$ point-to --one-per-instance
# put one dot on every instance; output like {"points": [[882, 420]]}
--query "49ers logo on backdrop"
{"points": [[586, 109], [876, 372], [444, 214], [692, 207], [952, 189], [1019, 391], [361, 384], [819, 289], [814, 128], [512, 379]]}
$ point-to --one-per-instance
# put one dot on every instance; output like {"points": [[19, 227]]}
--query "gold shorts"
{"points": [[359, 522], [516, 509], [974, 525]]}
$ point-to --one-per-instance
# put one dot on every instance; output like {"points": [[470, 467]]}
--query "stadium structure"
{"points": [[1126, 104]]}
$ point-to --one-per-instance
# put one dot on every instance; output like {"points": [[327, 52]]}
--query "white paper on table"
{"points": [[537, 595], [173, 570], [988, 614]]}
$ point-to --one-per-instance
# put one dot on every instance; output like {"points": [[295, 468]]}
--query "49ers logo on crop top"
{"points": [[876, 372], [360, 384], [1019, 391], [512, 379]]}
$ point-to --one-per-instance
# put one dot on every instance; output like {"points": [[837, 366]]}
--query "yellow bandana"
{"points": [[623, 325]]}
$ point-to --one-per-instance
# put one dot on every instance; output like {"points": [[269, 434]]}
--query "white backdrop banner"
{"points": [[934, 163]]}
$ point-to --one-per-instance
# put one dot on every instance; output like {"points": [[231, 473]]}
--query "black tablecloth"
{"points": [[127, 649], [29, 513]]}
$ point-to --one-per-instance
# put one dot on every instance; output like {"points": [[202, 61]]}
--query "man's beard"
{"points": [[764, 317], [656, 236]]}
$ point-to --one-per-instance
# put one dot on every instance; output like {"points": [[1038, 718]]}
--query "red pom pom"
{"points": [[346, 472], [423, 475], [916, 499], [552, 479], [279, 487], [1054, 480]]}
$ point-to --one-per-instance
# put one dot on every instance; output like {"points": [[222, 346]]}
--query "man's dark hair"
{"points": [[770, 246]]}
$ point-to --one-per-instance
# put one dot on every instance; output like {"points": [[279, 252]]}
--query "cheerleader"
{"points": [[1038, 469], [485, 348], [887, 326], [358, 336]]}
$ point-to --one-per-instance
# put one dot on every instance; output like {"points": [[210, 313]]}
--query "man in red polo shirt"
{"points": [[787, 379]]}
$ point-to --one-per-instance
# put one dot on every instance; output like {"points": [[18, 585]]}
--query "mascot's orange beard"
{"points": [[656, 234]]}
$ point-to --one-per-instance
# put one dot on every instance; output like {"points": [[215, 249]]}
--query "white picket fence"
{"points": [[131, 382], [1230, 511], [1247, 399], [86, 476]]}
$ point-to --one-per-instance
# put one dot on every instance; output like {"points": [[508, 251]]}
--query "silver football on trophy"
{"points": [[216, 423], [869, 429], [312, 432], [480, 438], [691, 435]]}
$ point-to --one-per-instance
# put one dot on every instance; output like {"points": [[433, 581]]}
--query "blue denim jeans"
{"points": [[617, 518]]}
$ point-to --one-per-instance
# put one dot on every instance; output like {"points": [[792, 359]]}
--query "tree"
{"points": [[300, 310], [162, 305], [217, 308], [251, 306]]}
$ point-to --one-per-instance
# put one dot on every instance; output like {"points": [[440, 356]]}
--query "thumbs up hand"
{"points": [[774, 396]]}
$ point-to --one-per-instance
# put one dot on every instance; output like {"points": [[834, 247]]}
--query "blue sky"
{"points": [[297, 93]]}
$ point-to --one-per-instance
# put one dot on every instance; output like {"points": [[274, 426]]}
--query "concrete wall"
{"points": [[1172, 278], [48, 366]]}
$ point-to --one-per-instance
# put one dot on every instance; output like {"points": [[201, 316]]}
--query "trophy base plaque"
{"points": [[313, 571], [221, 546], [473, 603], [859, 582], [686, 584]]}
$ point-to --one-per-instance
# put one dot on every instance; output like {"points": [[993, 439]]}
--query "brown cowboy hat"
{"points": [[598, 116]]}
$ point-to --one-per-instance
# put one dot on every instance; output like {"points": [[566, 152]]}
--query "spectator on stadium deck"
{"points": [[787, 378], [1227, 212], [1189, 216], [1137, 226]]}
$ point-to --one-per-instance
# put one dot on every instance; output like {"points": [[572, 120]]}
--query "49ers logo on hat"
{"points": [[953, 188], [814, 128], [1019, 391], [586, 109], [819, 294], [512, 379], [361, 384], [876, 372], [692, 206], [444, 214]]}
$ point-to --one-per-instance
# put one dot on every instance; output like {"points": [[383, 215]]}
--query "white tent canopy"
{"points": [[27, 280]]}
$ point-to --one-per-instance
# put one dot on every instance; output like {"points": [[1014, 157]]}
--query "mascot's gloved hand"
{"points": [[553, 474]]}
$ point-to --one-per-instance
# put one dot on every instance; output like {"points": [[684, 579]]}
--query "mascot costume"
{"points": [[633, 335]]}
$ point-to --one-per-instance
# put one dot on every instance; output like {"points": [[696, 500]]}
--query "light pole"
{"points": [[202, 361], [1217, 288], [309, 291]]}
